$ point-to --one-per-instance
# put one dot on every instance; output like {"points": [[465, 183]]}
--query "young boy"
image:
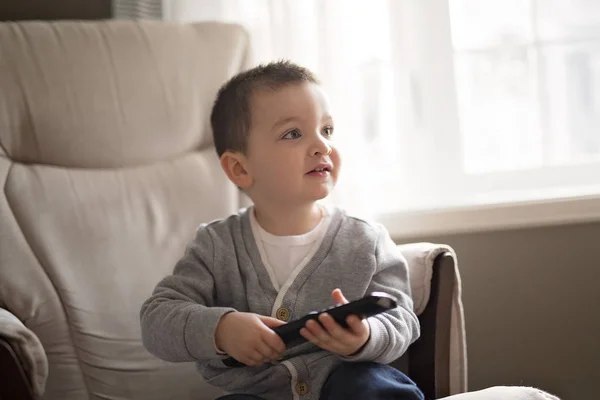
{"points": [[283, 258]]}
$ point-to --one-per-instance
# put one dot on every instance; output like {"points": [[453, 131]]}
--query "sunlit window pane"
{"points": [[566, 20], [498, 110], [572, 77], [528, 82], [479, 24]]}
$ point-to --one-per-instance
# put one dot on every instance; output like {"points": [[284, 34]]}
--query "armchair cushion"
{"points": [[111, 93], [28, 349]]}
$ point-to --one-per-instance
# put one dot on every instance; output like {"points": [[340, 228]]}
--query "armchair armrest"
{"points": [[15, 384], [429, 356], [23, 362], [437, 360]]}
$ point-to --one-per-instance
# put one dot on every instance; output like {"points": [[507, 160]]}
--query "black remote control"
{"points": [[372, 304]]}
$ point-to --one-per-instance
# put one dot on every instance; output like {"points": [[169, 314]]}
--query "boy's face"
{"points": [[291, 157]]}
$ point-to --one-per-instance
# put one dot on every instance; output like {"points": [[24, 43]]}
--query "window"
{"points": [[505, 101], [528, 82]]}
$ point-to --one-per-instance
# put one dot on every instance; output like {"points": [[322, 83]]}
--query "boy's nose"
{"points": [[321, 147]]}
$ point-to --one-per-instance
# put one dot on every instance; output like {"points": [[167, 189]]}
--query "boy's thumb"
{"points": [[271, 322], [338, 297]]}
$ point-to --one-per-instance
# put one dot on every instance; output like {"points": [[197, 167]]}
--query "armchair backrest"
{"points": [[105, 149]]}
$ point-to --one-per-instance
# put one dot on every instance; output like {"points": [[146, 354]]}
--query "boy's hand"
{"points": [[248, 338], [334, 337]]}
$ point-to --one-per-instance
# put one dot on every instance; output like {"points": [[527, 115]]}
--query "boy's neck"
{"points": [[288, 221]]}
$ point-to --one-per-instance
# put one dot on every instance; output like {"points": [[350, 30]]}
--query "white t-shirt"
{"points": [[285, 256]]}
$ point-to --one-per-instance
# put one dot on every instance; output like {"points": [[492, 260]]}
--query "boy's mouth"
{"points": [[320, 170]]}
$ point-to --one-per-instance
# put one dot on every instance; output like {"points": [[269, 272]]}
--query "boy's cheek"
{"points": [[336, 157], [337, 162]]}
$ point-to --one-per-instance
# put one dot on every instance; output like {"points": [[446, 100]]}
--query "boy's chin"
{"points": [[320, 194]]}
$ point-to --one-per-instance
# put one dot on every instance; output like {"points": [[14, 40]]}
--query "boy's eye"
{"points": [[328, 131], [293, 134]]}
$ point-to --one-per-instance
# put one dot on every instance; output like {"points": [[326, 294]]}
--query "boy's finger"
{"points": [[248, 361], [256, 358], [316, 340], [316, 329], [338, 297], [273, 341], [308, 335], [355, 324], [323, 337], [267, 351], [334, 346], [333, 327], [271, 322]]}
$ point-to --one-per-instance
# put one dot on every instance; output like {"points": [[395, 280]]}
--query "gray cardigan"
{"points": [[222, 271]]}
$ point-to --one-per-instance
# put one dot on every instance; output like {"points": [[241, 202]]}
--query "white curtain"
{"points": [[350, 46], [439, 103], [137, 9]]}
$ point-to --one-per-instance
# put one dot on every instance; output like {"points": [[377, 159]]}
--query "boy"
{"points": [[282, 258]]}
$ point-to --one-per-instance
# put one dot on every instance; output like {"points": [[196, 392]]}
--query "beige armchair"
{"points": [[107, 167]]}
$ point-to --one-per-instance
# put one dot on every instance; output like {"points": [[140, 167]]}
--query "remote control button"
{"points": [[283, 314], [301, 388]]}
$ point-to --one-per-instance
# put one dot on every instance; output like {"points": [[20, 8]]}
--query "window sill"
{"points": [[490, 216]]}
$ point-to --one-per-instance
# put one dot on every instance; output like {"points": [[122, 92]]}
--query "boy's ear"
{"points": [[234, 165]]}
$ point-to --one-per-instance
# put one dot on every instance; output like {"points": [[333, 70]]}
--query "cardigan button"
{"points": [[283, 314], [301, 388]]}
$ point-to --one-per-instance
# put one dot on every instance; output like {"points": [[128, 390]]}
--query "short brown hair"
{"points": [[230, 116]]}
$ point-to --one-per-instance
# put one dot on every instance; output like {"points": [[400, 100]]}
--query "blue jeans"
{"points": [[363, 380]]}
